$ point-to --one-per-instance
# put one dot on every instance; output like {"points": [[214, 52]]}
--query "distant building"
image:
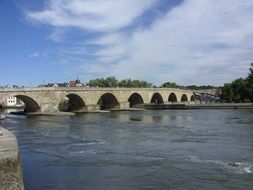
{"points": [[14, 101], [11, 101], [75, 83], [72, 83], [79, 85]]}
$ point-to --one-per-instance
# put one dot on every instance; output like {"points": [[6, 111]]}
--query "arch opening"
{"points": [[184, 98], [134, 100], [72, 102], [172, 97], [193, 98], [30, 104], [157, 99], [107, 101]]}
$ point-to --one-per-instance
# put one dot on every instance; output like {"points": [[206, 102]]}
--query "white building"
{"points": [[14, 101]]}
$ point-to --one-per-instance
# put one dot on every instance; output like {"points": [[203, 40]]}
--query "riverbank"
{"points": [[10, 167], [221, 106], [200, 106]]}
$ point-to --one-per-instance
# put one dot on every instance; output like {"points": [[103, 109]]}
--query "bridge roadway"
{"points": [[48, 99]]}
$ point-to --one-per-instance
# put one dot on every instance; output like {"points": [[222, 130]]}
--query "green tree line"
{"points": [[113, 82], [129, 83], [239, 90]]}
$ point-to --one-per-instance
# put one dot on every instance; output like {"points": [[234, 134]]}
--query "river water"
{"points": [[161, 149]]}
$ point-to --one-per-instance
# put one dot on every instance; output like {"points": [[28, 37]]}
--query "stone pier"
{"points": [[10, 167]]}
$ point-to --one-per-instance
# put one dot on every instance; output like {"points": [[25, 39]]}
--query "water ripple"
{"points": [[231, 166], [85, 143]]}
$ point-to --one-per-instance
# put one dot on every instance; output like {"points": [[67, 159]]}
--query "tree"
{"points": [[125, 83], [113, 82], [169, 85], [134, 83], [227, 93], [96, 83], [110, 82], [250, 77], [249, 81], [141, 84], [101, 82], [240, 90]]}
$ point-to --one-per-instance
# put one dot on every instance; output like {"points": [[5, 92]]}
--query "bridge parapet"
{"points": [[28, 89]]}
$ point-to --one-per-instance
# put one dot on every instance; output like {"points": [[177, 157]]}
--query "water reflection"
{"points": [[11, 110], [139, 116], [149, 117]]}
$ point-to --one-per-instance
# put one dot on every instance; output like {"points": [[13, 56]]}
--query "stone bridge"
{"points": [[48, 99]]}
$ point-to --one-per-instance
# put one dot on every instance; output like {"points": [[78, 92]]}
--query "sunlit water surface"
{"points": [[166, 149]]}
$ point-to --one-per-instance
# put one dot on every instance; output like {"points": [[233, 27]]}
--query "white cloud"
{"points": [[35, 54], [197, 42], [109, 39], [201, 42], [96, 15], [57, 35]]}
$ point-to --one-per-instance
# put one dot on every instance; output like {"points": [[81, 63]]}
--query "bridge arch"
{"points": [[157, 98], [75, 102], [184, 98], [172, 97], [135, 99], [107, 101], [30, 104], [193, 98], [72, 102]]}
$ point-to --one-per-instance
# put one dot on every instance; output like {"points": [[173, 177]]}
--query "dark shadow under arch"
{"points": [[107, 101], [30, 104], [184, 98], [75, 102], [135, 99], [172, 97], [193, 98], [157, 99]]}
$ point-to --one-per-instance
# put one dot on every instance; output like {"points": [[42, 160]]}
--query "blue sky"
{"points": [[182, 41]]}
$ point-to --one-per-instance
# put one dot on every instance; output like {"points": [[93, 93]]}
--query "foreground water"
{"points": [[169, 149]]}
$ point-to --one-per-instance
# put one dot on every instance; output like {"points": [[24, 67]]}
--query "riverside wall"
{"points": [[11, 177], [221, 106]]}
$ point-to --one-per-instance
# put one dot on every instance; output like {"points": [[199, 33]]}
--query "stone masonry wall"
{"points": [[10, 167]]}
